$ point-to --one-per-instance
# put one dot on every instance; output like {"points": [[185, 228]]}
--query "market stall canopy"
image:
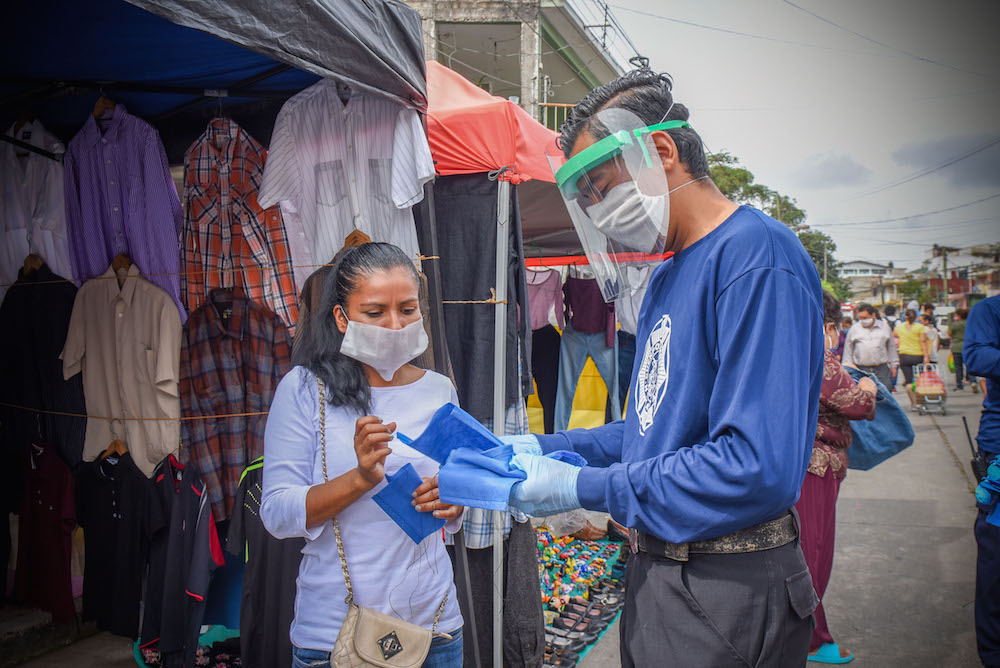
{"points": [[169, 61], [473, 132]]}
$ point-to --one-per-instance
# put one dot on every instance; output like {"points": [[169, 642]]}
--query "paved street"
{"points": [[903, 579]]}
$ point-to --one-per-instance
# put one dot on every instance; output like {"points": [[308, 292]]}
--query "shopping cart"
{"points": [[930, 390]]}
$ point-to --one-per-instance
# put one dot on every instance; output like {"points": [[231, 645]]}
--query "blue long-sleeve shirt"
{"points": [[981, 355], [724, 390]]}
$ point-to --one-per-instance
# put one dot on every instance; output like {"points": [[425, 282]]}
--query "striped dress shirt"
{"points": [[337, 167], [120, 198], [227, 238]]}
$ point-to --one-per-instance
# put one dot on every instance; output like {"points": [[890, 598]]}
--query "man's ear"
{"points": [[666, 148], [340, 318]]}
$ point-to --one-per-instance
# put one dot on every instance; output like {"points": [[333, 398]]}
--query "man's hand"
{"points": [[426, 499], [550, 486]]}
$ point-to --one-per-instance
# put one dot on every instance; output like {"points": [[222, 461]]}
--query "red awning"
{"points": [[471, 131]]}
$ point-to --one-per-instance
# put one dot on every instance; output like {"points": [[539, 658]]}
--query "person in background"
{"points": [[871, 347], [927, 309], [889, 313], [845, 325], [367, 329], [840, 401], [981, 353], [912, 342], [932, 337], [912, 305], [956, 332]]}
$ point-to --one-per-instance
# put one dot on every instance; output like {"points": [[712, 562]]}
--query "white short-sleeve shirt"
{"points": [[337, 167]]}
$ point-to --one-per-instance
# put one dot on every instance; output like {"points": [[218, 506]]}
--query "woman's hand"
{"points": [[370, 438], [868, 385], [426, 499]]}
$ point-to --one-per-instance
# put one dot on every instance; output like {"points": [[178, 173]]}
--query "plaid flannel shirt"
{"points": [[231, 361], [227, 238]]}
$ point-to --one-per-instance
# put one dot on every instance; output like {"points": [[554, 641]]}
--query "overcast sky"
{"points": [[834, 117]]}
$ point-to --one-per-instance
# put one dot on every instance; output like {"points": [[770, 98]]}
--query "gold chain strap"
{"points": [[336, 526]]}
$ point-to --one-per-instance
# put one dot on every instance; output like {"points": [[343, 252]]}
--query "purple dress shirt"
{"points": [[120, 198], [586, 309]]}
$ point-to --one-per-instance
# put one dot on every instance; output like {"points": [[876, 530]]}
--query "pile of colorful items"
{"points": [[582, 591]]}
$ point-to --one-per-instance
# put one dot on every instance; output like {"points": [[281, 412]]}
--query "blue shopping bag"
{"points": [[875, 441]]}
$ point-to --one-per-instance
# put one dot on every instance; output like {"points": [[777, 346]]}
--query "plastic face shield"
{"points": [[617, 196]]}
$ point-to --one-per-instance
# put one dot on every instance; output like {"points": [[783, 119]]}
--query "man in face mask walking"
{"points": [[870, 346], [709, 459]]}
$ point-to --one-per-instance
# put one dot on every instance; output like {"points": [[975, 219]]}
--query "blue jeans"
{"points": [[444, 653], [626, 359], [574, 350]]}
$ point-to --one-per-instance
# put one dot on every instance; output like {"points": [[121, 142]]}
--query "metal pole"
{"points": [[944, 273], [499, 400]]}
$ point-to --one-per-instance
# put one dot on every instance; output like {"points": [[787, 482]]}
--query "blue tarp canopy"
{"points": [[169, 61]]}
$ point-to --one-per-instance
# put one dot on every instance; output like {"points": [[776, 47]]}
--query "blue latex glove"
{"points": [[523, 443], [987, 493], [550, 486]]}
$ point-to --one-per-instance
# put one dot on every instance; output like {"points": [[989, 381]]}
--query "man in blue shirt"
{"points": [[982, 357], [711, 454]]}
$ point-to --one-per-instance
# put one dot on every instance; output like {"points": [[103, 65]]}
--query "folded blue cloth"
{"points": [[451, 428], [396, 499], [483, 479]]}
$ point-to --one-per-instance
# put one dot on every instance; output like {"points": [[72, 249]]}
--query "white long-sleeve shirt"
{"points": [[389, 572], [872, 346]]}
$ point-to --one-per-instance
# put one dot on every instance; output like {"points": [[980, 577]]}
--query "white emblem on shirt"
{"points": [[654, 373]]}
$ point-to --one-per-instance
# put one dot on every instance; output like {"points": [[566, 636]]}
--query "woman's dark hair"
{"points": [[345, 380], [910, 315], [831, 309], [648, 95], [962, 313]]}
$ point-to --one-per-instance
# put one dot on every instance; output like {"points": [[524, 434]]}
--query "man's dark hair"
{"points": [[890, 309], [867, 308], [648, 95], [926, 306]]}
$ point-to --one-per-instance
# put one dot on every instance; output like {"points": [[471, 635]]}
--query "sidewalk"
{"points": [[903, 579]]}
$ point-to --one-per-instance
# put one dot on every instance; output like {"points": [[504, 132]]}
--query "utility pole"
{"points": [[943, 251], [825, 253]]}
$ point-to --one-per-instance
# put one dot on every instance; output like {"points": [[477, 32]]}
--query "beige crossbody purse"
{"points": [[369, 637]]}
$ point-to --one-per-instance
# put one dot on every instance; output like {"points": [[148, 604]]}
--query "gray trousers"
{"points": [[718, 610], [881, 372]]}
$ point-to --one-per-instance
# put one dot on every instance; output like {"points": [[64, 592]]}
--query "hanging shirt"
{"points": [[629, 302], [717, 436], [389, 572], [126, 342], [120, 198], [36, 313], [119, 512], [46, 520], [586, 309], [268, 604], [183, 555], [232, 356], [32, 214], [227, 238], [338, 167], [545, 297]]}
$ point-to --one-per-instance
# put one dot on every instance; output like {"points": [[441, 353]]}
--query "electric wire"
{"points": [[883, 44], [910, 217]]}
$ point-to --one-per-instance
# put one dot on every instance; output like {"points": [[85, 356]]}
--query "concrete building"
{"points": [[871, 282], [543, 54]]}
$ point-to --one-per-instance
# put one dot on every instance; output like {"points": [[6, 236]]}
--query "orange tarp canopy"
{"points": [[471, 131]]}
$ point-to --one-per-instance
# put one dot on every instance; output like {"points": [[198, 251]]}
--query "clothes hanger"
{"points": [[26, 116], [32, 263], [121, 262], [117, 447], [104, 104]]}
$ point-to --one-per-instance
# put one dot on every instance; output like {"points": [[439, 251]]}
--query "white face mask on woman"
{"points": [[381, 348]]}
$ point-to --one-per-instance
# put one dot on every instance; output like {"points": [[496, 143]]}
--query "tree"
{"points": [[784, 209]]}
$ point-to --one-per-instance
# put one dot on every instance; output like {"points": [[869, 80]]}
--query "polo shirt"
{"points": [[125, 337], [268, 600], [184, 553], [119, 512]]}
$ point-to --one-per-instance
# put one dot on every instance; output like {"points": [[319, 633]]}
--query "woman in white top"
{"points": [[932, 337], [368, 327]]}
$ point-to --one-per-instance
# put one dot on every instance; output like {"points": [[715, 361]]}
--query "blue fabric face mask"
{"points": [[396, 499], [451, 428]]}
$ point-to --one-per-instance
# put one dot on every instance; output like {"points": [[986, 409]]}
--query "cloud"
{"points": [[979, 170], [830, 170]]}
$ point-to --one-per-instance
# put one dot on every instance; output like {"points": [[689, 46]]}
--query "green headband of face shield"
{"points": [[569, 174]]}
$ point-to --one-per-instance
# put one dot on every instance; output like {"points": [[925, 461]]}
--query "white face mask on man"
{"points": [[381, 348], [867, 322], [631, 217]]}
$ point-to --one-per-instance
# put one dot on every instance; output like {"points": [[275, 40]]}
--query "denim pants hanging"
{"points": [[574, 350]]}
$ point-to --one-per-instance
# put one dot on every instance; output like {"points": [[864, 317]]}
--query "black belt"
{"points": [[759, 537]]}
